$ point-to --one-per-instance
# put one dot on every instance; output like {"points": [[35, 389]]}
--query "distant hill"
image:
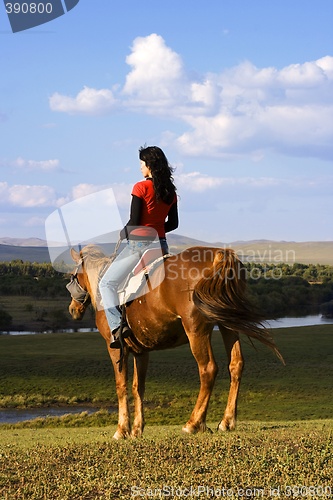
{"points": [[23, 242], [320, 252], [308, 252], [27, 254]]}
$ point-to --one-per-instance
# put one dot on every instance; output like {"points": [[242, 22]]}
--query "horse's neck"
{"points": [[94, 273]]}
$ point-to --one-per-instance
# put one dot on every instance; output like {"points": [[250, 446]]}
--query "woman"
{"points": [[153, 211]]}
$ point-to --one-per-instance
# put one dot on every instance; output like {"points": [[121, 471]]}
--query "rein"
{"points": [[114, 255], [78, 293]]}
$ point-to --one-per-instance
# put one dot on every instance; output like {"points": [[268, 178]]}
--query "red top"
{"points": [[153, 212]]}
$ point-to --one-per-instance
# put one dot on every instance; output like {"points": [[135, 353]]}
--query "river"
{"points": [[314, 319], [14, 415], [311, 320]]}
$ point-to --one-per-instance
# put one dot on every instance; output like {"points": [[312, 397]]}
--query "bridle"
{"points": [[78, 293]]}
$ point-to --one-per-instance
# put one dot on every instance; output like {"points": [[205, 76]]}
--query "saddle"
{"points": [[140, 280]]}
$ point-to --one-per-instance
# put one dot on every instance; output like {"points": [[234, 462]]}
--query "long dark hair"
{"points": [[161, 172]]}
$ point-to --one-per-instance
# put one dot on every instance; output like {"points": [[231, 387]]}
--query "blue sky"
{"points": [[239, 95]]}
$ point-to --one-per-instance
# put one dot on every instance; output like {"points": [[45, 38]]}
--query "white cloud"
{"points": [[27, 196], [88, 101], [188, 183], [241, 111], [309, 74], [81, 190], [157, 77], [290, 110], [122, 192], [197, 182], [43, 165], [201, 183], [204, 93]]}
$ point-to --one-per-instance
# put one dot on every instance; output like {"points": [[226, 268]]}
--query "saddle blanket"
{"points": [[143, 282]]}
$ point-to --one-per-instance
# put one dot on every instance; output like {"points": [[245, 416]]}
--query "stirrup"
{"points": [[122, 332]]}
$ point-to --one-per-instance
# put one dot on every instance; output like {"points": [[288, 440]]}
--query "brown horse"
{"points": [[203, 287]]}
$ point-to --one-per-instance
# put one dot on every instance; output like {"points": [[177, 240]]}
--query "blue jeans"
{"points": [[117, 272]]}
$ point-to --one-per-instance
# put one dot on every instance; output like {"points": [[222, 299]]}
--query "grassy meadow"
{"points": [[289, 460], [283, 439]]}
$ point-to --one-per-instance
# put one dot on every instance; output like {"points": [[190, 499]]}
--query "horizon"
{"points": [[175, 234], [259, 251]]}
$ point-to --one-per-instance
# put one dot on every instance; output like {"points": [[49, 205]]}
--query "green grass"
{"points": [[283, 438], [86, 464], [74, 368]]}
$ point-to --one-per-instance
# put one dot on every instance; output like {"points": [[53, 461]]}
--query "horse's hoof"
{"points": [[226, 426], [136, 434], [222, 427], [118, 435], [191, 429]]}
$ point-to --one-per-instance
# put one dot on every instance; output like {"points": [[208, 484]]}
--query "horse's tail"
{"points": [[221, 296]]}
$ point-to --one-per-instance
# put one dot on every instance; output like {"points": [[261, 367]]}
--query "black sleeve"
{"points": [[172, 222], [135, 216]]}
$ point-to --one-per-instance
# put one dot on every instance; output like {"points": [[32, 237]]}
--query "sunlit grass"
{"points": [[86, 463], [283, 438]]}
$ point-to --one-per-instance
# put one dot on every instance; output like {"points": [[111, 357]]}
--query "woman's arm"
{"points": [[135, 215], [173, 221]]}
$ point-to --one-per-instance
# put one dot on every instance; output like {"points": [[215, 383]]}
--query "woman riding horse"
{"points": [[202, 287], [153, 211]]}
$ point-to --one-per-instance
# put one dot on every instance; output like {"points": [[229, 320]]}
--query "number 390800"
{"points": [[26, 8]]}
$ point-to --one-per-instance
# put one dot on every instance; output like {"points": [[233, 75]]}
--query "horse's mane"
{"points": [[95, 262], [93, 252]]}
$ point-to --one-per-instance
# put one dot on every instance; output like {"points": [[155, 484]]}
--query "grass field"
{"points": [[283, 439], [289, 460], [74, 368]]}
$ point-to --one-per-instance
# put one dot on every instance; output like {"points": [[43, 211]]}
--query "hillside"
{"points": [[311, 252], [30, 254], [308, 252]]}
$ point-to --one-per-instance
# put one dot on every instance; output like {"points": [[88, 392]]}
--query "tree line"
{"points": [[275, 289], [285, 290]]}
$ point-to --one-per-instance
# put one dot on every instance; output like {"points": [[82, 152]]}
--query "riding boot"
{"points": [[115, 342]]}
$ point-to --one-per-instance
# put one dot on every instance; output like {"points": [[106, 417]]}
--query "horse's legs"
{"points": [[236, 364], [138, 389], [124, 425], [202, 352]]}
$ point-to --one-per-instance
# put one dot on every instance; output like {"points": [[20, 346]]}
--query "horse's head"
{"points": [[78, 288]]}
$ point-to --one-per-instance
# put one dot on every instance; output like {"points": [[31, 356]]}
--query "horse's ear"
{"points": [[75, 255]]}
